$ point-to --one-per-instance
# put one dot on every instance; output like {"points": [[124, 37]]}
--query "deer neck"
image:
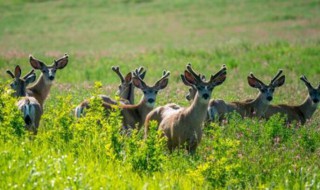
{"points": [[130, 96], [197, 111], [137, 112], [40, 89], [144, 108], [259, 105], [307, 108]]}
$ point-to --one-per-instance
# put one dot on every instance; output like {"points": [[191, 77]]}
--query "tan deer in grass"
{"points": [[183, 126], [134, 115], [257, 107], [299, 113], [41, 88], [29, 106], [125, 91]]}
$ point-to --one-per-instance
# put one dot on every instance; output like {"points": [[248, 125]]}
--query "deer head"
{"points": [[266, 91], [49, 71], [150, 92], [19, 84], [198, 83], [314, 93], [125, 89]]}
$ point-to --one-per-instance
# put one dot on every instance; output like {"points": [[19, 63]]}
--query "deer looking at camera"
{"points": [[299, 113], [41, 88], [257, 107], [134, 115], [125, 91], [29, 106], [183, 126]]}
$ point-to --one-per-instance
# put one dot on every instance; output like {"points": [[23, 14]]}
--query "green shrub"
{"points": [[11, 119]]}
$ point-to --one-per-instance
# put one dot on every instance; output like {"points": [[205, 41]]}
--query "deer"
{"points": [[257, 107], [40, 90], [125, 91], [183, 125], [135, 115], [29, 106], [299, 113]]}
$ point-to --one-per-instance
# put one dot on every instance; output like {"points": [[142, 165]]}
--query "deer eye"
{"points": [[263, 90], [144, 91], [156, 92]]}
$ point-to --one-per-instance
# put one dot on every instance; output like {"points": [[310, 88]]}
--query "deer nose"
{"points": [[51, 77], [150, 100], [205, 96], [269, 98], [316, 100]]}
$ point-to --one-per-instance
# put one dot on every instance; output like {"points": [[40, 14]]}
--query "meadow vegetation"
{"points": [[90, 152]]}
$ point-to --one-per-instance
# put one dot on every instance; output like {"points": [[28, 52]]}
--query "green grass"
{"points": [[248, 36]]}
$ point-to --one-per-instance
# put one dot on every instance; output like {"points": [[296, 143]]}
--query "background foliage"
{"points": [[246, 35]]}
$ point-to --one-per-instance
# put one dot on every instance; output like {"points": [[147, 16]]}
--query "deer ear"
{"points": [[163, 83], [280, 81], [253, 82], [31, 78], [189, 78], [137, 82], [17, 71], [220, 79], [62, 62], [36, 64], [128, 77]]}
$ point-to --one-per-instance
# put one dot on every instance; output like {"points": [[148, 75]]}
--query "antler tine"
{"points": [[194, 74], [276, 77], [136, 73], [63, 57], [30, 73], [10, 73], [116, 69], [165, 74], [222, 70], [252, 76], [140, 70], [306, 81]]}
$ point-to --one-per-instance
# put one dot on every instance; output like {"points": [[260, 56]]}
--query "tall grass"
{"points": [[91, 152]]}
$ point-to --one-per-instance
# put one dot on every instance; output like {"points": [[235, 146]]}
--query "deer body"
{"points": [[41, 88], [32, 112], [299, 113], [134, 115], [183, 126], [218, 109], [29, 106], [257, 107], [125, 92]]}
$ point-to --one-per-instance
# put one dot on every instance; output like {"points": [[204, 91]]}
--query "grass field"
{"points": [[246, 35]]}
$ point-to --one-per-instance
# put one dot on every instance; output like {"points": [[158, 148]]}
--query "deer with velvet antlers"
{"points": [[125, 91], [183, 126], [299, 113], [257, 107], [134, 115]]}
